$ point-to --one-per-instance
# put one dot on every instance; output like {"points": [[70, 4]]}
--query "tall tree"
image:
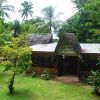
{"points": [[50, 17], [27, 10], [86, 23], [71, 24], [16, 27], [80, 3], [5, 8], [17, 58], [89, 23]]}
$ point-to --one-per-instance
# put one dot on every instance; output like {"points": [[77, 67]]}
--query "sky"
{"points": [[64, 6]]}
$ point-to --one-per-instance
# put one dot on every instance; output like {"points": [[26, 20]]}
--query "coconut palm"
{"points": [[5, 8], [27, 10], [50, 17]]}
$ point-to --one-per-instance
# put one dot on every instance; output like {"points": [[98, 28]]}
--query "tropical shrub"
{"points": [[45, 75], [6, 37], [18, 58], [34, 74], [94, 80], [2, 42]]}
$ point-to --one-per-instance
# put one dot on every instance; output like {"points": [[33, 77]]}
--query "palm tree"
{"points": [[50, 17], [4, 9], [27, 10]]}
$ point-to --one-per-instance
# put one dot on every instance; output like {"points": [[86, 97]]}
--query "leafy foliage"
{"points": [[17, 58], [85, 23], [2, 42], [45, 75], [5, 8], [2, 27], [5, 37], [50, 17], [16, 27], [94, 78], [34, 74], [34, 26], [71, 25], [80, 3]]}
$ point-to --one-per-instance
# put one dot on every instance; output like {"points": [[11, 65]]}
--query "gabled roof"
{"points": [[39, 39], [68, 45]]}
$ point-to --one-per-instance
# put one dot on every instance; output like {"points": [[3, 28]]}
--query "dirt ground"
{"points": [[67, 79]]}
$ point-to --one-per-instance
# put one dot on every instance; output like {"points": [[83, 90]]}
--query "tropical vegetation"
{"points": [[17, 57], [85, 23], [28, 88], [94, 78], [50, 17], [17, 54], [4, 9], [27, 10]]}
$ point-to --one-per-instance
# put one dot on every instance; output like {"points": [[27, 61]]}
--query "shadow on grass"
{"points": [[21, 94]]}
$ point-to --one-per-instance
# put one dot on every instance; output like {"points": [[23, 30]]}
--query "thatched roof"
{"points": [[68, 45], [39, 39]]}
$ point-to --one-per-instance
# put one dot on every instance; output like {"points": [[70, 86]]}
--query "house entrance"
{"points": [[67, 65]]}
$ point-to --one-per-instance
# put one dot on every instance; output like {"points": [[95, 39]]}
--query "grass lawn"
{"points": [[27, 88]]}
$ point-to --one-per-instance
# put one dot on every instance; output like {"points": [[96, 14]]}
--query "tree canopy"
{"points": [[50, 17], [85, 23], [4, 9], [27, 10], [17, 57]]}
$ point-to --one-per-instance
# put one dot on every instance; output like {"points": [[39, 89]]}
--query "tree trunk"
{"points": [[11, 83]]}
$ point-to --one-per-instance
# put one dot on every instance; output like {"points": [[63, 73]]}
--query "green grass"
{"points": [[27, 88]]}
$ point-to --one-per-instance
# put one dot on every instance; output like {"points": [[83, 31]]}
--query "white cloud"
{"points": [[64, 6]]}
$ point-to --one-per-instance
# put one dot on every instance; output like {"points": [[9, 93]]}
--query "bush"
{"points": [[34, 74], [94, 80], [6, 37], [45, 75], [2, 42], [84, 79]]}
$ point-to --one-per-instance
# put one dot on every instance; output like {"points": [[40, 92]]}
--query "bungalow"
{"points": [[68, 56]]}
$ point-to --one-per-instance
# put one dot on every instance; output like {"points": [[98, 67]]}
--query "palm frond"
{"points": [[5, 8], [27, 10]]}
